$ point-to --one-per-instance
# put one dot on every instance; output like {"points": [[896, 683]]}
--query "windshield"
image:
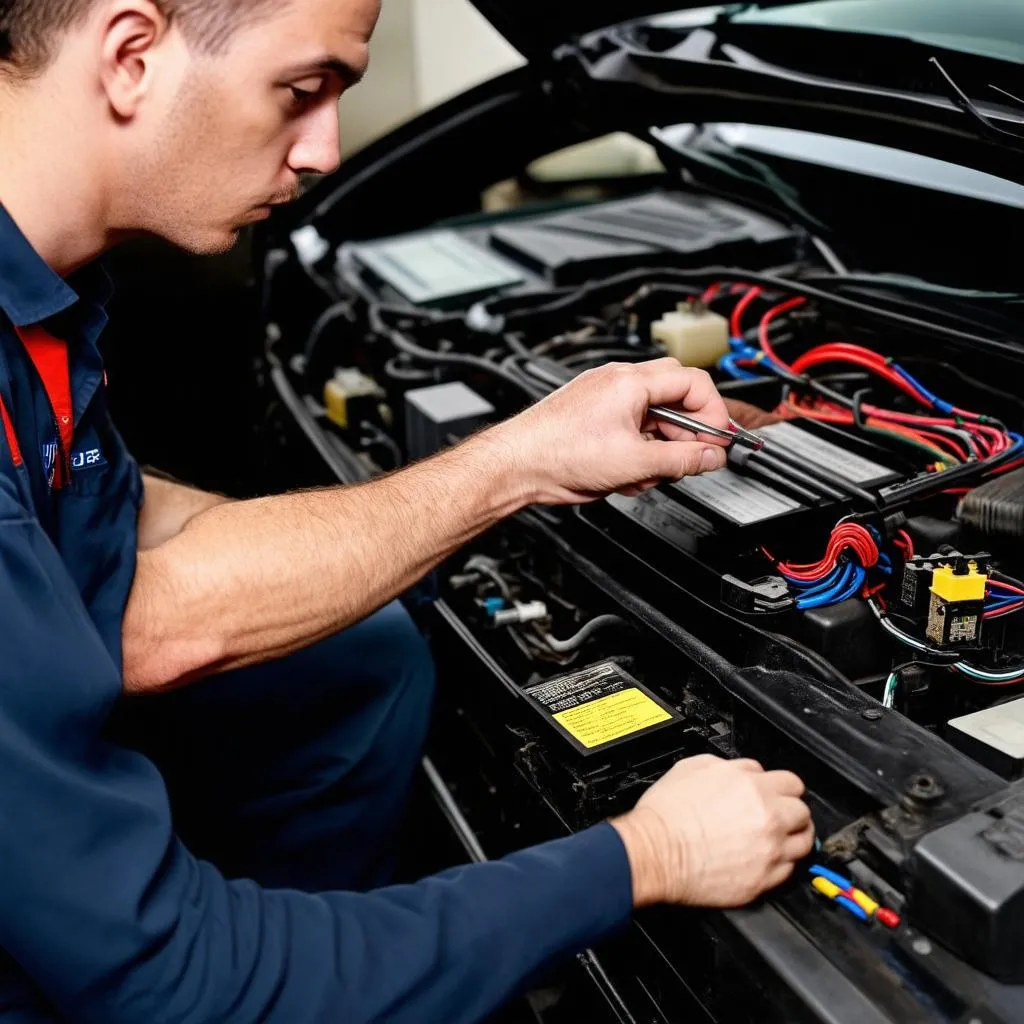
{"points": [[988, 28]]}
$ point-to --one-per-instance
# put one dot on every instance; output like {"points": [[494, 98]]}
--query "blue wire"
{"points": [[847, 904], [810, 587], [848, 585], [832, 876], [932, 399], [727, 364]]}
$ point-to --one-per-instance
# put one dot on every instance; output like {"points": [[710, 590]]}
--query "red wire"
{"points": [[1007, 610], [856, 356], [766, 320], [1007, 586], [850, 536], [985, 442], [736, 321]]}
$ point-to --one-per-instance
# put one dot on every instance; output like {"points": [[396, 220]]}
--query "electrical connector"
{"points": [[693, 334], [350, 396], [530, 611]]}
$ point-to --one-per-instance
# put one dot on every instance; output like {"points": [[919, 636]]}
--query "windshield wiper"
{"points": [[967, 105]]}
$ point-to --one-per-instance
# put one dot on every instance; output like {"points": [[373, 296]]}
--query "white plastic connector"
{"points": [[480, 320], [693, 334], [531, 611], [310, 245]]}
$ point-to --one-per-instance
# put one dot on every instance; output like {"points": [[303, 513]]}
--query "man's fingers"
{"points": [[640, 488], [674, 432], [794, 815], [672, 460], [669, 383], [785, 783], [748, 416], [780, 873], [748, 764], [799, 845]]}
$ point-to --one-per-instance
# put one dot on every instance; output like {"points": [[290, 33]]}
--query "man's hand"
{"points": [[714, 833], [594, 435], [748, 416], [250, 581]]}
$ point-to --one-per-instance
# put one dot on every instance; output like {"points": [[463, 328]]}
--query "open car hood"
{"points": [[940, 78], [536, 28]]}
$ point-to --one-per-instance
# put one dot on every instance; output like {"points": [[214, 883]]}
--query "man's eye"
{"points": [[306, 92]]}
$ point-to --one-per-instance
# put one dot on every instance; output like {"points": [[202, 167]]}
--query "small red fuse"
{"points": [[888, 917]]}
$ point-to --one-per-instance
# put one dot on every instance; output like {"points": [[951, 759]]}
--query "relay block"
{"points": [[946, 593]]}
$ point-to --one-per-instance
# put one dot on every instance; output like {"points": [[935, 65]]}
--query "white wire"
{"points": [[889, 696], [563, 646], [990, 677], [960, 666]]}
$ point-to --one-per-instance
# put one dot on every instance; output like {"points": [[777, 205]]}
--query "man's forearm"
{"points": [[168, 508], [253, 580]]}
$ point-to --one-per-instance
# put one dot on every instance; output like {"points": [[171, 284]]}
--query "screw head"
{"points": [[872, 714], [924, 788], [921, 946]]}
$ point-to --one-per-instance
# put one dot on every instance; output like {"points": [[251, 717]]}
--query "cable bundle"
{"points": [[841, 573], [1003, 596], [948, 434]]}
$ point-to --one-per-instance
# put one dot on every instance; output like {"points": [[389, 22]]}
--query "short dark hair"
{"points": [[29, 28]]}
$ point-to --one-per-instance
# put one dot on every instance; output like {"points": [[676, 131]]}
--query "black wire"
{"points": [[973, 382], [341, 459], [405, 344], [405, 373], [1002, 577], [1007, 328], [707, 274], [517, 345], [324, 321], [858, 412], [605, 355], [376, 436], [897, 283]]}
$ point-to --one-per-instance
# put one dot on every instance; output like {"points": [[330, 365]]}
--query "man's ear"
{"points": [[132, 29]]}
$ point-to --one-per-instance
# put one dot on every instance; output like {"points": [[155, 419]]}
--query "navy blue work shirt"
{"points": [[104, 915]]}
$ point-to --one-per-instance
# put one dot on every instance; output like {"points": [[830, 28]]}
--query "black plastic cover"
{"points": [[967, 885]]}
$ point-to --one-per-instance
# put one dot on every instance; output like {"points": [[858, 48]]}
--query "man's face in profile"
{"points": [[226, 136]]}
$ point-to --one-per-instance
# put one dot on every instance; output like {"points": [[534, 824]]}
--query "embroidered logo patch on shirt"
{"points": [[88, 458], [48, 450]]}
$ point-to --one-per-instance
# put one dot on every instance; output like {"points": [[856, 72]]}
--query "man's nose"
{"points": [[318, 150]]}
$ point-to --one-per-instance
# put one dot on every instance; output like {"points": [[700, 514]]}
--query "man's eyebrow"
{"points": [[349, 73]]}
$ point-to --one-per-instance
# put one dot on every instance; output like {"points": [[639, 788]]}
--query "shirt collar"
{"points": [[31, 291]]}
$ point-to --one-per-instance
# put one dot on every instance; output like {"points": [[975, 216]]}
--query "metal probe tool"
{"points": [[735, 436]]}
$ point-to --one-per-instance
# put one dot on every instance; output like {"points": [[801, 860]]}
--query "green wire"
{"points": [[936, 452], [889, 694]]}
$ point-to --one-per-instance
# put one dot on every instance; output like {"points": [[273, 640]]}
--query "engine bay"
{"points": [[882, 518], [841, 600]]}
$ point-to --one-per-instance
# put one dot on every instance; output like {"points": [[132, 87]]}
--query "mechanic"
{"points": [[255, 650]]}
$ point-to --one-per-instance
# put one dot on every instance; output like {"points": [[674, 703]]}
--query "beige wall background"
{"points": [[424, 52]]}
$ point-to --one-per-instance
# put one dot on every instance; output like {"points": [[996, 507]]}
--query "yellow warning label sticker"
{"points": [[612, 717]]}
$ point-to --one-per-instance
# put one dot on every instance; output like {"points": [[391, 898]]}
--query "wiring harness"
{"points": [[948, 435], [843, 570]]}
